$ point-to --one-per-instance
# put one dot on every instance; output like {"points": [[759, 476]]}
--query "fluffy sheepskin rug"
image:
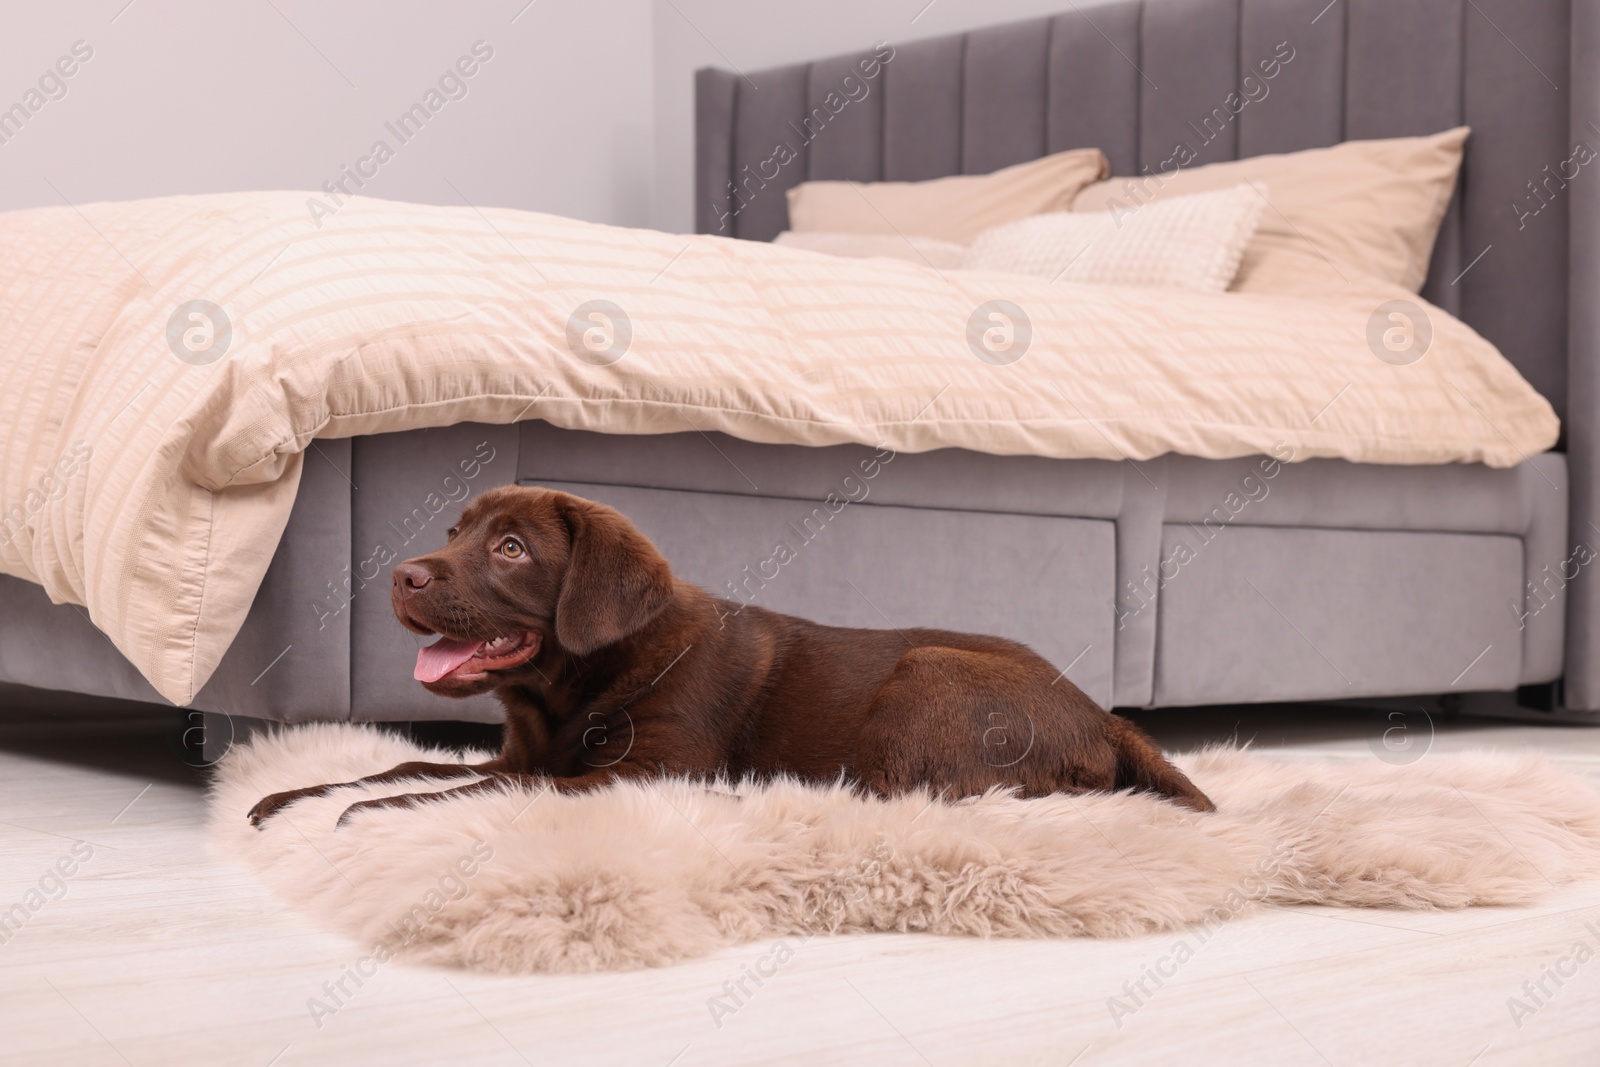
{"points": [[646, 874]]}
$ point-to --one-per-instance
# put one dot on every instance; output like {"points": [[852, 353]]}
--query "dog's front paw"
{"points": [[371, 805], [269, 806]]}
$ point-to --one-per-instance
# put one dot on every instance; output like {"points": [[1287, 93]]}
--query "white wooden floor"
{"points": [[157, 954]]}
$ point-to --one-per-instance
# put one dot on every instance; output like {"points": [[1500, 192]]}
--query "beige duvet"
{"points": [[152, 489]]}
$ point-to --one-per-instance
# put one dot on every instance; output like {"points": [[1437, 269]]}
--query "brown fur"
{"points": [[640, 674]]}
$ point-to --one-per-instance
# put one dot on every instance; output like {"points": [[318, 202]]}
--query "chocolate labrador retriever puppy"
{"points": [[611, 668]]}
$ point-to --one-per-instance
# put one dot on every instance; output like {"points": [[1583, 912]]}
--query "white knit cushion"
{"points": [[1191, 242]]}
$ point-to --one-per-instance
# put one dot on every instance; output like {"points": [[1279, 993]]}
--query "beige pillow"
{"points": [[1361, 207], [1188, 242], [957, 208], [928, 251]]}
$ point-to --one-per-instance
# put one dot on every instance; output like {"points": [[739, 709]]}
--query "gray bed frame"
{"points": [[1171, 582]]}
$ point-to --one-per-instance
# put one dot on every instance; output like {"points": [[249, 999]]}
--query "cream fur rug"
{"points": [[644, 875]]}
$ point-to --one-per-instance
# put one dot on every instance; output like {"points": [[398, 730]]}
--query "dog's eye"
{"points": [[511, 548], [452, 532]]}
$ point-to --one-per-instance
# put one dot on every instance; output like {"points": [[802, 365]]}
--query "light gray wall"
{"points": [[189, 96], [585, 108]]}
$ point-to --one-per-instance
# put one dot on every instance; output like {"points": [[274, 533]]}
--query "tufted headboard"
{"points": [[1137, 78]]}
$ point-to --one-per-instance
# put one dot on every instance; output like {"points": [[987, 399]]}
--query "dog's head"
{"points": [[526, 568]]}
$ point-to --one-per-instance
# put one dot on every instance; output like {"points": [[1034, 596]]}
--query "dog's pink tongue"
{"points": [[443, 656]]}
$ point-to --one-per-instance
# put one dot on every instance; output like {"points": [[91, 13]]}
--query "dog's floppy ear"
{"points": [[616, 581]]}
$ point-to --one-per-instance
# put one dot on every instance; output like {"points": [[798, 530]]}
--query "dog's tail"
{"points": [[1140, 765]]}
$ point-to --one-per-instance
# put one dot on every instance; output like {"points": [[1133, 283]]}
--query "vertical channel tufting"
{"points": [[1004, 96], [1518, 168], [1094, 83], [1445, 268], [1403, 76], [766, 130], [922, 110], [1581, 683], [1190, 48], [844, 119], [1302, 104], [715, 95]]}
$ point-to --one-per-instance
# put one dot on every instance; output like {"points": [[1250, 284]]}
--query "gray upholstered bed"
{"points": [[1337, 580]]}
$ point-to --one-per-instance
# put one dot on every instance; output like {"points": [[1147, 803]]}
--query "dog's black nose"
{"points": [[409, 578]]}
